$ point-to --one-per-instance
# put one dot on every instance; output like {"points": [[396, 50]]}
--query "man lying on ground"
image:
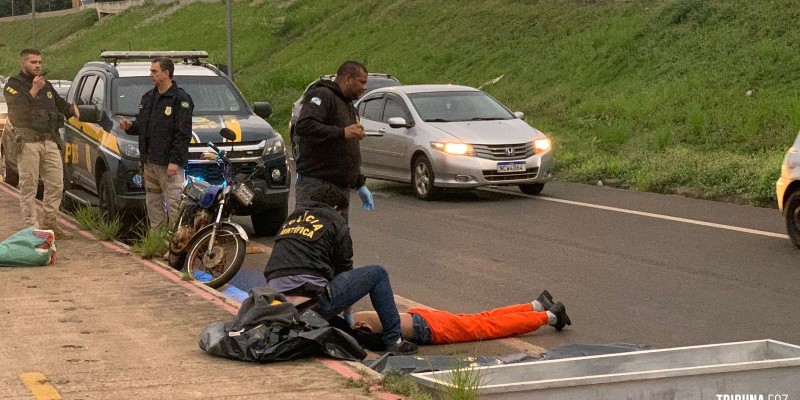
{"points": [[425, 326]]}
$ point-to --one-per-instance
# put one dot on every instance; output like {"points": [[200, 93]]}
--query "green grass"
{"points": [[152, 243], [93, 220], [465, 381], [649, 93], [88, 217], [109, 230], [396, 382]]}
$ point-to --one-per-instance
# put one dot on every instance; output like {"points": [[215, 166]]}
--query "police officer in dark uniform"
{"points": [[312, 262], [328, 134], [37, 112], [164, 127]]}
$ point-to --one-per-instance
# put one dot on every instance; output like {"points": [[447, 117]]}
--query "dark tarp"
{"points": [[269, 329], [414, 364]]}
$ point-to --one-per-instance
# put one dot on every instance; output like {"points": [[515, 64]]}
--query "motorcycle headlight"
{"points": [[128, 148], [274, 146]]}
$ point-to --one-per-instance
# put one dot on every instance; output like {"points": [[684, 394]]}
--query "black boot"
{"points": [[562, 319]]}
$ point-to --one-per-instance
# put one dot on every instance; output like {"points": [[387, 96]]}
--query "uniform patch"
{"points": [[49, 94], [11, 90], [302, 225], [317, 101], [185, 104], [168, 110]]}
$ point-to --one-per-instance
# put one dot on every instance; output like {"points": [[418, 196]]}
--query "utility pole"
{"points": [[12, 8], [230, 40], [33, 20]]}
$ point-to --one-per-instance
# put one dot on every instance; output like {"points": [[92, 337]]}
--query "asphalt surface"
{"points": [[631, 267]]}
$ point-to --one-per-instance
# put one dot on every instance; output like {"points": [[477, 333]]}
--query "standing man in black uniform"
{"points": [[328, 134], [164, 127], [37, 112]]}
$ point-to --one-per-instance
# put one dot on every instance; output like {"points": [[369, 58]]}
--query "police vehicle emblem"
{"points": [[316, 100], [168, 110], [49, 94]]}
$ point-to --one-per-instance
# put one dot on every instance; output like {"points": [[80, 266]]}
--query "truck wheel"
{"points": [[108, 197], [268, 223]]}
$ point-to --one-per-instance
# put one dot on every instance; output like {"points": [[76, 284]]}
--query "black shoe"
{"points": [[403, 348], [562, 319], [545, 299]]}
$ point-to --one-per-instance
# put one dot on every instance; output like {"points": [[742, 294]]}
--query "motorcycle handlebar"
{"points": [[214, 147]]}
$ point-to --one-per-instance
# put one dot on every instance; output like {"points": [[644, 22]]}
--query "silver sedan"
{"points": [[445, 136]]}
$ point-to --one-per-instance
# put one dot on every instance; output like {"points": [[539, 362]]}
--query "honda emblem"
{"points": [[509, 151]]}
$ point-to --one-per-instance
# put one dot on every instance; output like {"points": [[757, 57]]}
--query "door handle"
{"points": [[382, 130]]}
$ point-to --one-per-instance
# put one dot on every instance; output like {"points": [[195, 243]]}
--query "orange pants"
{"points": [[499, 323]]}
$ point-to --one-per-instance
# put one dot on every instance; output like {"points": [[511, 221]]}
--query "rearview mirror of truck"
{"points": [[90, 113], [262, 109]]}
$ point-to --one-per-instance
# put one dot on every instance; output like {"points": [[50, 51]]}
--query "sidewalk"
{"points": [[104, 324]]}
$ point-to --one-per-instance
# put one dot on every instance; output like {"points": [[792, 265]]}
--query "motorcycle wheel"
{"points": [[218, 266]]}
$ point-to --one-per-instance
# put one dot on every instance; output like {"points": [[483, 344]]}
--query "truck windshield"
{"points": [[212, 95]]}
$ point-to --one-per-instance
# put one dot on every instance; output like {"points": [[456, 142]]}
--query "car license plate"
{"points": [[511, 166]]}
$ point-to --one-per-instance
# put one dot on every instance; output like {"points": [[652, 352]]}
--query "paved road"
{"points": [[631, 267]]}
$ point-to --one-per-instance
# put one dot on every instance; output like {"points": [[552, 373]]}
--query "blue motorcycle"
{"points": [[204, 241]]}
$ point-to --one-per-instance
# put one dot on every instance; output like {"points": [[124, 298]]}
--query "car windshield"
{"points": [[458, 106], [210, 94]]}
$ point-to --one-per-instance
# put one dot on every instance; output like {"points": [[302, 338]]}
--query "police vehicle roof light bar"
{"points": [[113, 57]]}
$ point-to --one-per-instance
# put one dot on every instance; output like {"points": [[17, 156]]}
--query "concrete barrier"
{"points": [[758, 368]]}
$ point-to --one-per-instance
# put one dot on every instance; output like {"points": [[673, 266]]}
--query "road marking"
{"points": [[647, 214], [40, 386]]}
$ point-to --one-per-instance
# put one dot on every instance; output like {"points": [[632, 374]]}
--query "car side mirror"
{"points": [[90, 113], [262, 109], [520, 115], [398, 122]]}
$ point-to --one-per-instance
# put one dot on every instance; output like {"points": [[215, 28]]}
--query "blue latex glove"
{"points": [[367, 202]]}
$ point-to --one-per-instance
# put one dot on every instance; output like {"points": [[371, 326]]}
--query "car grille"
{"points": [[494, 176], [501, 152], [212, 173]]}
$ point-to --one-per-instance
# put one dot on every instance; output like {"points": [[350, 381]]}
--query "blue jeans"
{"points": [[307, 185], [349, 287]]}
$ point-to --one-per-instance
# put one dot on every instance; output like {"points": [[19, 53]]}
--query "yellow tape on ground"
{"points": [[40, 386]]}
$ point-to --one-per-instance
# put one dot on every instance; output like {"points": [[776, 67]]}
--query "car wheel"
{"points": [[532, 188], [108, 197], [423, 177], [12, 177], [269, 223], [793, 217]]}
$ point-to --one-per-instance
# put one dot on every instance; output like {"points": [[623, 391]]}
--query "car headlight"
{"points": [[274, 146], [128, 148], [461, 149], [541, 145]]}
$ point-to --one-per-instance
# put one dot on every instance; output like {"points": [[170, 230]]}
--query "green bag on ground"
{"points": [[28, 248]]}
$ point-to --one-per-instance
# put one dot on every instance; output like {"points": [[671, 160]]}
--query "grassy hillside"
{"points": [[649, 94]]}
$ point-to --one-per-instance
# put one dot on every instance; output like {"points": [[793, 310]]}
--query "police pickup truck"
{"points": [[101, 161]]}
